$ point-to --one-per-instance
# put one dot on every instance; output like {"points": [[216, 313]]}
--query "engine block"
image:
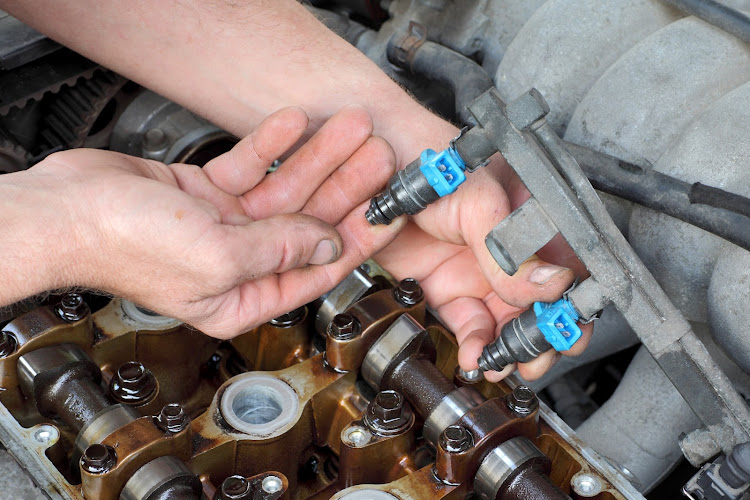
{"points": [[357, 395]]}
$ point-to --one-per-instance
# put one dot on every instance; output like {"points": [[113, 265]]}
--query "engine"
{"points": [[358, 395]]}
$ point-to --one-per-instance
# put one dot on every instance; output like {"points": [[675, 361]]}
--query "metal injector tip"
{"points": [[375, 215]]}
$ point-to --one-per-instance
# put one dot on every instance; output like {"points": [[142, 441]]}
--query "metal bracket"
{"points": [[563, 201]]}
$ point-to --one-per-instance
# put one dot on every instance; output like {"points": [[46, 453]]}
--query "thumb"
{"points": [[280, 243]]}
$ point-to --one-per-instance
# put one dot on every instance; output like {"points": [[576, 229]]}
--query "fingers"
{"points": [[361, 241], [289, 188], [195, 182], [241, 169], [362, 176], [535, 369], [254, 301], [278, 244]]}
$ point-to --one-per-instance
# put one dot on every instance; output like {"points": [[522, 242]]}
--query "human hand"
{"points": [[223, 248], [461, 280]]}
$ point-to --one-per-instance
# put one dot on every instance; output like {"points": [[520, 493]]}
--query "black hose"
{"points": [[715, 197], [711, 209], [344, 27], [723, 17], [464, 77]]}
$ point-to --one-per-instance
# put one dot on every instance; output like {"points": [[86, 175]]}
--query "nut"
{"points": [[408, 292], [236, 488], [133, 384], [173, 418], [8, 344], [344, 327], [456, 439], [388, 414], [72, 307], [98, 459], [522, 401]]}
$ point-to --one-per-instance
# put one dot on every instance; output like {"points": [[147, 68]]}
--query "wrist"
{"points": [[39, 244], [413, 130]]}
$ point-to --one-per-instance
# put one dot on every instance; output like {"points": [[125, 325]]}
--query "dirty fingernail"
{"points": [[325, 253], [542, 274]]}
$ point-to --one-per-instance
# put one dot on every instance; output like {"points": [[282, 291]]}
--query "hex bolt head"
{"points": [[173, 418], [291, 318], [236, 488], [344, 327], [98, 459], [522, 401], [8, 344], [456, 439], [408, 292], [133, 384], [72, 307], [388, 405], [388, 414]]}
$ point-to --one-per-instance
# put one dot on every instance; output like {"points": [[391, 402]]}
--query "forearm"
{"points": [[38, 248], [234, 64]]}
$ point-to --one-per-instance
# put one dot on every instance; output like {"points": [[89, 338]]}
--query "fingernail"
{"points": [[542, 274], [325, 253]]}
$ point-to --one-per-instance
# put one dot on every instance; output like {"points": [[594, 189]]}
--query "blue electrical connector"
{"points": [[557, 321], [444, 171], [423, 181]]}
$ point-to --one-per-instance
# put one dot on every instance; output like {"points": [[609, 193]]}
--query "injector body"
{"points": [[543, 327]]}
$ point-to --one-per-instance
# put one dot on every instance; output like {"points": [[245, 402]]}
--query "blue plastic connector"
{"points": [[557, 321], [444, 170]]}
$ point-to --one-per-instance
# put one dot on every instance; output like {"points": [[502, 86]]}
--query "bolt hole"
{"points": [[587, 485], [357, 436], [45, 434], [271, 484]]}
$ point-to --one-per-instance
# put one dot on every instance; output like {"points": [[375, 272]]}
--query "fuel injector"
{"points": [[428, 178], [543, 327], [433, 175]]}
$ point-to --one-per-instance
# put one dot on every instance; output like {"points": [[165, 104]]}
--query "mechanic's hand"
{"points": [[223, 248], [444, 249]]}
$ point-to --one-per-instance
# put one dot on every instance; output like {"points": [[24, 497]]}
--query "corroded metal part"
{"points": [[334, 434], [137, 443], [375, 313]]}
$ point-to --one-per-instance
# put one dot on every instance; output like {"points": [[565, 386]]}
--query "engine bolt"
{"points": [[98, 459], [72, 307], [291, 318], [455, 439], [388, 413], [408, 292], [133, 384], [522, 401], [344, 327], [173, 418], [8, 344], [236, 488]]}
